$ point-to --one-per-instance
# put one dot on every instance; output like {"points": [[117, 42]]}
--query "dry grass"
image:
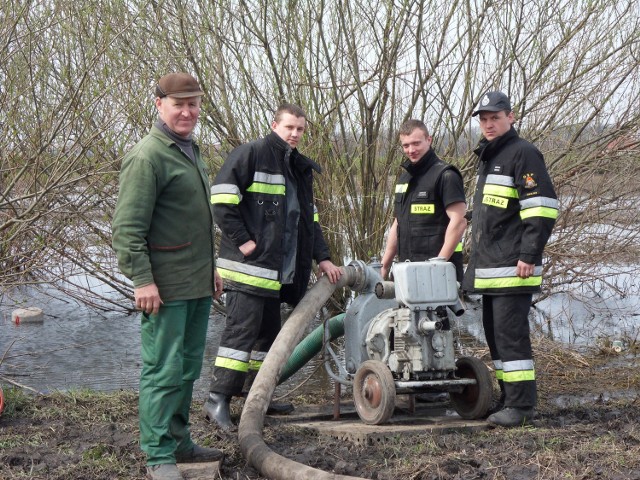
{"points": [[89, 435]]}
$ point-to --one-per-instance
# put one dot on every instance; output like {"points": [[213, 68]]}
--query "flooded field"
{"points": [[77, 347], [605, 308]]}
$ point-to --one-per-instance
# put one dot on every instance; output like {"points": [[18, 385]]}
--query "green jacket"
{"points": [[162, 226]]}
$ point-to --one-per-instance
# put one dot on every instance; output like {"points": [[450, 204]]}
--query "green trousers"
{"points": [[172, 347]]}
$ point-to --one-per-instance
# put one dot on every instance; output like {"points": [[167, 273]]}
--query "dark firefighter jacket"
{"points": [[421, 198], [248, 197], [514, 210]]}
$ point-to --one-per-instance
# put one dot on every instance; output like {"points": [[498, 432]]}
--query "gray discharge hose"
{"points": [[269, 463]]}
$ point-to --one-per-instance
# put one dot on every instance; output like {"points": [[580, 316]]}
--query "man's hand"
{"points": [[384, 272], [148, 299], [524, 270], [390, 250], [247, 248], [327, 268], [218, 286]]}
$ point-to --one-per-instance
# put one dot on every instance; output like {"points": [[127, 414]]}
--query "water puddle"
{"points": [[75, 347], [566, 401]]}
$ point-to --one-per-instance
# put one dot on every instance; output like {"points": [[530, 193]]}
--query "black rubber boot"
{"points": [[217, 410], [512, 417], [432, 397], [274, 408], [248, 382]]}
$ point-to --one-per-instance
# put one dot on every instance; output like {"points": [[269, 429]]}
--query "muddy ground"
{"points": [[587, 428]]}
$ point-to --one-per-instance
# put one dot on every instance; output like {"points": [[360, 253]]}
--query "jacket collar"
{"points": [[422, 165], [160, 135], [300, 161], [486, 149], [274, 141]]}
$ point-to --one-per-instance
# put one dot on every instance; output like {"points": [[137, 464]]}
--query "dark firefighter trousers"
{"points": [[506, 327], [253, 323]]}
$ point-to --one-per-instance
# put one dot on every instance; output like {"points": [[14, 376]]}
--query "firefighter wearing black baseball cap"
{"points": [[493, 102], [514, 210]]}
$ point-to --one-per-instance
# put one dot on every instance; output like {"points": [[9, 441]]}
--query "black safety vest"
{"points": [[420, 211]]}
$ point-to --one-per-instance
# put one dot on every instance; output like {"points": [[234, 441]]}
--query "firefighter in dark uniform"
{"points": [[263, 202], [514, 210], [429, 205]]}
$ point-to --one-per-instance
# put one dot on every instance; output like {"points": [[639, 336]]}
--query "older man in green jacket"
{"points": [[163, 237]]}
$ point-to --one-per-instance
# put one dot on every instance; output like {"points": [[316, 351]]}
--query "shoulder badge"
{"points": [[529, 181]]}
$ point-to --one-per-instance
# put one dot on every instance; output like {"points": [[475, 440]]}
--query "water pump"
{"points": [[398, 340]]}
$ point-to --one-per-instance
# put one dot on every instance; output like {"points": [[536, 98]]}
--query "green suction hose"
{"points": [[311, 345]]}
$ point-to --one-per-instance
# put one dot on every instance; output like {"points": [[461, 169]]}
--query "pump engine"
{"points": [[398, 339]]}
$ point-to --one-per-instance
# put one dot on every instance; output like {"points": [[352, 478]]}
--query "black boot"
{"points": [[512, 417], [432, 397], [248, 382], [497, 404], [216, 409], [274, 408]]}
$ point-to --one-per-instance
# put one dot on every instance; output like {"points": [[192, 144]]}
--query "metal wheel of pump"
{"points": [[473, 401], [374, 392]]}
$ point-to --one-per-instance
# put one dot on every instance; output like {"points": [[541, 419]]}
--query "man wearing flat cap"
{"points": [[514, 210], [163, 238]]}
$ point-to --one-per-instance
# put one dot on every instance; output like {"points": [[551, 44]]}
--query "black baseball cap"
{"points": [[493, 102], [178, 85]]}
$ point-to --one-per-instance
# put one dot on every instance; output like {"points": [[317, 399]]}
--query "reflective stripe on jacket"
{"points": [[248, 197], [514, 210]]}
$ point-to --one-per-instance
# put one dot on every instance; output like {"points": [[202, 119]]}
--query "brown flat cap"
{"points": [[178, 85]]}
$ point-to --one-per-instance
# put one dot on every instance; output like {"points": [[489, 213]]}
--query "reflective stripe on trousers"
{"points": [[248, 274], [506, 326], [253, 322]]}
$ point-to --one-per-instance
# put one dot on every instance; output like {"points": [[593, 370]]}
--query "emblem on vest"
{"points": [[423, 208]]}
